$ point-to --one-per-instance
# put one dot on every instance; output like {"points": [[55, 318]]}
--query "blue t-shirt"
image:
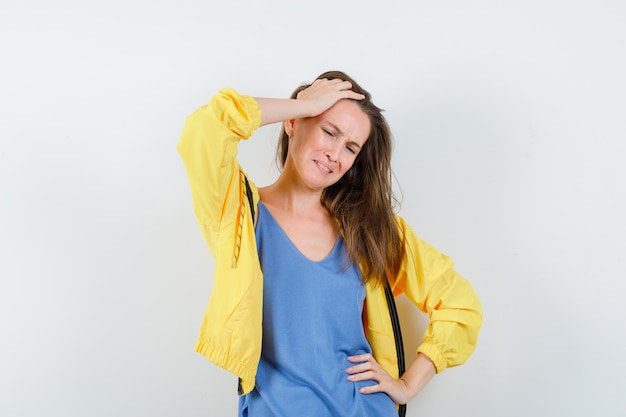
{"points": [[312, 321]]}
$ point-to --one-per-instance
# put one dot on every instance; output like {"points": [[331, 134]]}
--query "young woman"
{"points": [[305, 268]]}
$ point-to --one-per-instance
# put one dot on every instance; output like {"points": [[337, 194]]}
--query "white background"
{"points": [[510, 127]]}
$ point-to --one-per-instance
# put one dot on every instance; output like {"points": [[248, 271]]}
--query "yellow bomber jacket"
{"points": [[230, 334]]}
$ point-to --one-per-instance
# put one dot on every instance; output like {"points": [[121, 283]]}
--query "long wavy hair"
{"points": [[362, 200]]}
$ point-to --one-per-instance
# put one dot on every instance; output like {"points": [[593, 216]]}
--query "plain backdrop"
{"points": [[509, 120]]}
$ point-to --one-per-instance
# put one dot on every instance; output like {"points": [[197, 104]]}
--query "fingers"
{"points": [[337, 83], [345, 87], [365, 357], [364, 376], [335, 89], [364, 362], [370, 389], [371, 372], [367, 369]]}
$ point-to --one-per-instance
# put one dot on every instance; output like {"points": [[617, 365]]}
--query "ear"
{"points": [[289, 126]]}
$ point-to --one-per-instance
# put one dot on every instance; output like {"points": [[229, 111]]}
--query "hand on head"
{"points": [[324, 93]]}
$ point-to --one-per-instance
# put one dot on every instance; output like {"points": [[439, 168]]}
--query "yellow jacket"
{"points": [[230, 334]]}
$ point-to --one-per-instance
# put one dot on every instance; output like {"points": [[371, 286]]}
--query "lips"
{"points": [[323, 167]]}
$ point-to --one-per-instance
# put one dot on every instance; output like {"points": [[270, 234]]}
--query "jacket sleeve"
{"points": [[429, 280], [208, 147]]}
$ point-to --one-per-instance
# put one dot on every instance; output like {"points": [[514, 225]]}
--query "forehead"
{"points": [[348, 117]]}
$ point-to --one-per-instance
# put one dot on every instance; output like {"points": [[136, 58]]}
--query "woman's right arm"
{"points": [[208, 147], [210, 138], [314, 100]]}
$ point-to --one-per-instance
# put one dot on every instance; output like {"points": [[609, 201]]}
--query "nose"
{"points": [[332, 152]]}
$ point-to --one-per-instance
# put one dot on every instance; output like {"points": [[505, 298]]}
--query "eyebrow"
{"points": [[340, 132]]}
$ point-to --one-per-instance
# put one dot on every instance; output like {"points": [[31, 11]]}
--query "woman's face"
{"points": [[323, 148]]}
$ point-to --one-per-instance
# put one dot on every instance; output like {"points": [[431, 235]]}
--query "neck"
{"points": [[293, 196]]}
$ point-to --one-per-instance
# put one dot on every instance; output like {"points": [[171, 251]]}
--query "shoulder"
{"points": [[404, 228], [418, 249]]}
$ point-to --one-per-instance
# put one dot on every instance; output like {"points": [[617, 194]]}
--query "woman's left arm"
{"points": [[428, 279]]}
